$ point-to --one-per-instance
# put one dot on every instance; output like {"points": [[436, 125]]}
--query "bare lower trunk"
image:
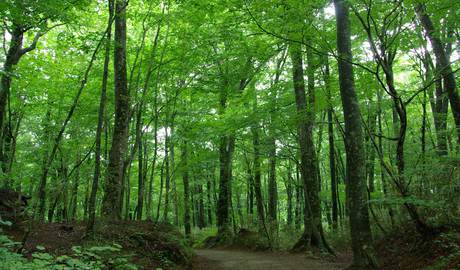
{"points": [[111, 201], [308, 171], [361, 236], [100, 123], [185, 178]]}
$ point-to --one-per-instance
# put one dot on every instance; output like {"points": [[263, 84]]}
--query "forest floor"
{"points": [[149, 245], [223, 259]]}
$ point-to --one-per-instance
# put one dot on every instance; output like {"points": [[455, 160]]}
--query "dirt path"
{"points": [[208, 259]]}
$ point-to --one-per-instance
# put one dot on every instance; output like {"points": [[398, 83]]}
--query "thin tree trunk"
{"points": [[289, 193], [160, 195], [74, 196], [298, 199], [140, 185], [209, 200], [167, 177], [100, 123], [332, 166], [257, 180], [185, 179]]}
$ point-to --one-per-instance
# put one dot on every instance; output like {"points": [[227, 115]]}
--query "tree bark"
{"points": [[111, 202], [167, 177], [100, 123], [332, 167], [445, 68], [257, 180], [13, 56], [308, 171], [361, 236], [185, 179], [439, 103]]}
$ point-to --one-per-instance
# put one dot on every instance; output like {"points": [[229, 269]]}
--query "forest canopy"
{"points": [[300, 120]]}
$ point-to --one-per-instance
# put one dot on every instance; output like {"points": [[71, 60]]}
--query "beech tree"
{"points": [[295, 124]]}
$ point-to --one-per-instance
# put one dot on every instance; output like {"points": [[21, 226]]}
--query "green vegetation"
{"points": [[96, 257], [314, 126]]}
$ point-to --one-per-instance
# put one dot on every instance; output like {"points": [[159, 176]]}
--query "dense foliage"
{"points": [[232, 114]]}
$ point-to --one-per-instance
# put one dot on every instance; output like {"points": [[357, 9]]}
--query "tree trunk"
{"points": [[332, 166], [41, 200], [308, 171], [209, 200], [167, 177], [257, 180], [289, 193], [227, 145], [141, 180], [439, 105], [12, 58], [200, 203], [111, 201], [74, 196], [444, 68], [298, 199], [370, 158], [185, 179], [100, 123], [160, 194], [361, 236], [380, 147]]}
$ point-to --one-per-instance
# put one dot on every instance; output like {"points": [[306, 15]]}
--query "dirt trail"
{"points": [[207, 259]]}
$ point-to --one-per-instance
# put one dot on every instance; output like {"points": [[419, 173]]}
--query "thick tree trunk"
{"points": [[226, 148], [308, 171], [361, 236], [111, 201]]}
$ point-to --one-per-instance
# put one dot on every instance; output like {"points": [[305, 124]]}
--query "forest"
{"points": [[230, 134]]}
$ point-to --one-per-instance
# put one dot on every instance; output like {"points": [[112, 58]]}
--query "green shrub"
{"points": [[92, 258]]}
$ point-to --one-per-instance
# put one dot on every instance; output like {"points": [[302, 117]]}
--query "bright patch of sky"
{"points": [[329, 11]]}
